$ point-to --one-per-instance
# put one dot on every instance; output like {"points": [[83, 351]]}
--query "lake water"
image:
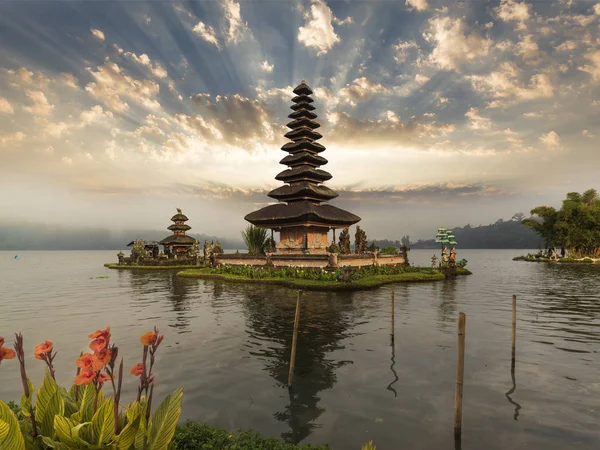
{"points": [[229, 344]]}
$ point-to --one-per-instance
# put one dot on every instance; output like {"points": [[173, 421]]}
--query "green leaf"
{"points": [[103, 423], [87, 403], [53, 444], [26, 401], [66, 432], [45, 417], [127, 435], [164, 421], [10, 432], [71, 406]]}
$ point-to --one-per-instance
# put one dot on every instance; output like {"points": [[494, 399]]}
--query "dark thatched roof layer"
{"points": [[302, 89], [303, 133], [302, 144], [302, 113], [301, 212], [178, 239], [179, 217], [300, 158], [302, 99], [303, 173], [147, 244], [306, 106], [303, 122], [303, 191], [182, 227]]}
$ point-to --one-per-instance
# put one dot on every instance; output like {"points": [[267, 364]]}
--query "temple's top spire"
{"points": [[303, 192]]}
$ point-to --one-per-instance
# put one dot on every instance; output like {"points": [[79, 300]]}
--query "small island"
{"points": [[571, 234]]}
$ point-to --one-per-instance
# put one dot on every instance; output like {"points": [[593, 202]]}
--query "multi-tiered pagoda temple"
{"points": [[301, 217], [178, 244]]}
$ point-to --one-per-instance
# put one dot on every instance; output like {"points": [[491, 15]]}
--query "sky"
{"points": [[433, 113]]}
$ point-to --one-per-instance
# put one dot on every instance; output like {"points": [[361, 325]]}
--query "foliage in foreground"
{"points": [[255, 239], [196, 436], [574, 227], [82, 418]]}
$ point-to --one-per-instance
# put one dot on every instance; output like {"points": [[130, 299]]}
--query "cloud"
{"points": [[68, 161], [419, 5], [96, 115], [99, 35], [235, 27], [528, 49], [112, 83], [40, 105], [551, 140], [144, 60], [12, 139], [402, 50], [207, 33], [505, 87], [587, 133], [511, 11], [476, 122], [360, 89], [597, 9], [69, 80], [594, 67], [25, 77], [265, 66], [347, 21], [453, 47], [56, 130], [318, 32], [5, 106]]}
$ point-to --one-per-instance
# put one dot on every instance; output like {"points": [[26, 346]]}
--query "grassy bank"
{"points": [[560, 260], [367, 282], [124, 267]]}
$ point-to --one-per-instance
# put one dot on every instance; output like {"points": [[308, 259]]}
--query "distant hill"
{"points": [[502, 234], [44, 237]]}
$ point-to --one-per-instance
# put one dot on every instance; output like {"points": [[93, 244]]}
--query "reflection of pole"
{"points": [[460, 369], [393, 315], [512, 390], [514, 330], [294, 340]]}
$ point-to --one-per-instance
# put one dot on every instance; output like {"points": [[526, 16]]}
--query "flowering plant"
{"points": [[82, 418]]}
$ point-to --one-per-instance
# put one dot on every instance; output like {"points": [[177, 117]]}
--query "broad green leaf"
{"points": [[103, 423], [127, 435], [44, 395], [66, 432], [71, 406], [84, 432], [87, 403], [45, 417], [10, 432], [164, 421], [133, 411], [53, 444]]}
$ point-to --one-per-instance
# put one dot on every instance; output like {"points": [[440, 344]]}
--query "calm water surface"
{"points": [[229, 344]]}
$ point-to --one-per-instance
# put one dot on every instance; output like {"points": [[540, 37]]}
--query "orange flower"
{"points": [[1, 341], [137, 369], [84, 361], [6, 353], [86, 376], [42, 349], [149, 338], [104, 377], [100, 359], [100, 339]]}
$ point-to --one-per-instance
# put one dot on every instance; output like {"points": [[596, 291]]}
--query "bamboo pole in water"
{"points": [[460, 370], [294, 340], [393, 314], [514, 331]]}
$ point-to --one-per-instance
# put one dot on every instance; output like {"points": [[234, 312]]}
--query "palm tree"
{"points": [[255, 239]]}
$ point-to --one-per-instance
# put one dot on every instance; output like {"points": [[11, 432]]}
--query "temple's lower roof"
{"points": [[303, 173], [300, 158], [303, 212], [178, 239], [302, 113], [303, 133], [303, 191], [302, 144]]}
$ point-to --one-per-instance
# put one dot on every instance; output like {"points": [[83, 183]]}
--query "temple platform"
{"points": [[320, 261]]}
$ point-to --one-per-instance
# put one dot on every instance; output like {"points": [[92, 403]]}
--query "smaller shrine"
{"points": [[178, 244]]}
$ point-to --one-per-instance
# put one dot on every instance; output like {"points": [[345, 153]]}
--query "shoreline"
{"points": [[126, 267], [371, 282], [560, 260]]}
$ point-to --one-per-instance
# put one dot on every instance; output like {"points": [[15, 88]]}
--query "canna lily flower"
{"points": [[137, 369], [100, 339], [100, 359], [1, 341], [7, 353], [149, 338], [104, 377], [86, 376], [42, 350], [84, 361]]}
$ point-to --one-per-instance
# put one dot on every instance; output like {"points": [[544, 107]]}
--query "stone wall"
{"points": [[315, 261]]}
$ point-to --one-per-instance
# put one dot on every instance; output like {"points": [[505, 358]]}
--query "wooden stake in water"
{"points": [[393, 314], [514, 331], [460, 370], [294, 340]]}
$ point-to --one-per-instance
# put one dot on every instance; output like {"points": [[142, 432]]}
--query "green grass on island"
{"points": [[531, 258], [316, 279], [135, 267]]}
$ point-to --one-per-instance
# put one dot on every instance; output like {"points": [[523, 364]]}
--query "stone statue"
{"points": [[434, 261], [138, 251], [444, 256], [121, 256], [360, 241], [553, 254], [453, 256], [194, 251]]}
